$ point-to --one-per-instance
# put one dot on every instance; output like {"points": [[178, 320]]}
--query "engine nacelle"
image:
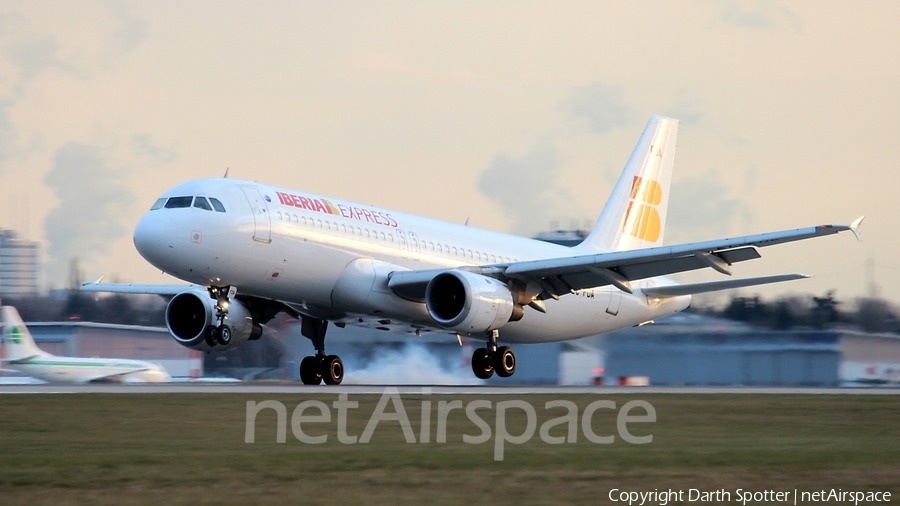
{"points": [[190, 316], [470, 303]]}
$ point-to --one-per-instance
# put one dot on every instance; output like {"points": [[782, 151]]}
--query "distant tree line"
{"points": [[869, 314]]}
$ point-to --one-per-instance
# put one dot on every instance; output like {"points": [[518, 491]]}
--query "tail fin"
{"points": [[635, 214], [17, 341]]}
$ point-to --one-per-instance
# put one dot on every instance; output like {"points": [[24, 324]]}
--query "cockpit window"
{"points": [[177, 202], [202, 203], [217, 205], [159, 203]]}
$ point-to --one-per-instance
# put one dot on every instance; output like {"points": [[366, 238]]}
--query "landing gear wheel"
{"points": [[212, 336], [504, 361], [333, 370], [481, 364], [224, 335], [309, 371]]}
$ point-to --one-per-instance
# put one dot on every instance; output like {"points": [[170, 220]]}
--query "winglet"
{"points": [[854, 227], [97, 282]]}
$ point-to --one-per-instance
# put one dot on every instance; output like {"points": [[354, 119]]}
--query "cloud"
{"points": [[687, 108], [93, 202], [701, 208], [129, 33], [758, 14], [26, 56], [527, 189], [145, 146], [601, 104]]}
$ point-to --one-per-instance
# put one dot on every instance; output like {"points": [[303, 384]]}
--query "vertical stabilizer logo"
{"points": [[642, 218], [15, 336]]}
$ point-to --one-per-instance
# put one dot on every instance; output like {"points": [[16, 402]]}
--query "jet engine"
{"points": [[191, 317], [470, 303]]}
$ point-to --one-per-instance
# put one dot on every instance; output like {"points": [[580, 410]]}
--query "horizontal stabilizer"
{"points": [[662, 292]]}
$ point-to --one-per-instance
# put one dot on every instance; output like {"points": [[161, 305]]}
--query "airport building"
{"points": [[18, 266]]}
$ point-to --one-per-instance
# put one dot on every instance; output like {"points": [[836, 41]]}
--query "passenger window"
{"points": [[217, 205], [382, 235], [158, 204], [455, 252], [493, 259], [279, 215], [390, 237], [319, 223], [201, 203], [179, 202]]}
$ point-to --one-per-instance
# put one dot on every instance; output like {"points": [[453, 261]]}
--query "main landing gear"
{"points": [[320, 367], [220, 333], [485, 361]]}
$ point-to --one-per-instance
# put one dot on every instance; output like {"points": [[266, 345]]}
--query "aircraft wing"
{"points": [[143, 289], [113, 377], [558, 276]]}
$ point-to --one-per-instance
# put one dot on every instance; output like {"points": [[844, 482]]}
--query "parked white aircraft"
{"points": [[254, 250], [21, 354]]}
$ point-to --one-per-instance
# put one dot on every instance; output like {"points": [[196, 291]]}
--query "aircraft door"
{"points": [[262, 223]]}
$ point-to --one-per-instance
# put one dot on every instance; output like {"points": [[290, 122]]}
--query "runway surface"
{"points": [[250, 388]]}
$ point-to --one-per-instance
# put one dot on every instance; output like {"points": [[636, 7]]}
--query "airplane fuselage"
{"points": [[331, 259], [77, 370]]}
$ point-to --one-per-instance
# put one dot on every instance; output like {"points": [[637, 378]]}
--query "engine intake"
{"points": [[190, 316], [471, 303]]}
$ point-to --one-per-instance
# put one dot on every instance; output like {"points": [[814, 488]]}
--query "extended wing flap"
{"points": [[662, 292]]}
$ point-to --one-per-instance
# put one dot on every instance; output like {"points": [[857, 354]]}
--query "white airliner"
{"points": [[252, 250], [21, 354]]}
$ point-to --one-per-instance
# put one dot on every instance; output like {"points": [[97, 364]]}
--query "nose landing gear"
{"points": [[221, 333], [315, 369], [486, 361]]}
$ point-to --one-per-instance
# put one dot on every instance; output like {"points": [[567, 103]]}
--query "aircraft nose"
{"points": [[154, 236]]}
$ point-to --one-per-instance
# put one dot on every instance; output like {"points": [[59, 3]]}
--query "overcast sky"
{"points": [[515, 115]]}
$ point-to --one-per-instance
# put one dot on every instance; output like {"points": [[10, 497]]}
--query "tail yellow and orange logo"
{"points": [[642, 219]]}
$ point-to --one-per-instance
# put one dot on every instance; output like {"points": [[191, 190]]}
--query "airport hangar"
{"points": [[684, 349]]}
